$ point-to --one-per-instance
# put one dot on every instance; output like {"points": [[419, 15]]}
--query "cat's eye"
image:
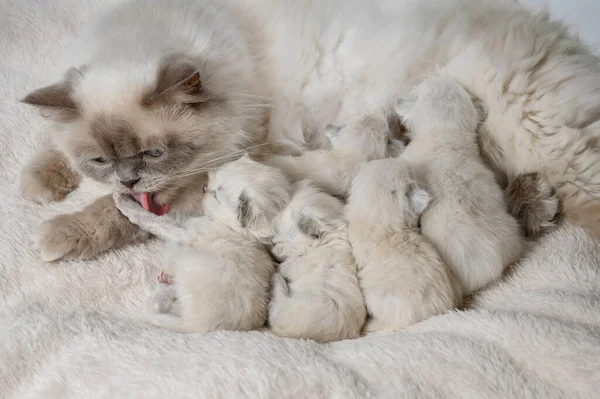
{"points": [[154, 153], [99, 160], [315, 236]]}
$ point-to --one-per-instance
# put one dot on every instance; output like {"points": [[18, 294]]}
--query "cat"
{"points": [[315, 293], [217, 267], [216, 76], [467, 220], [359, 140], [403, 278]]}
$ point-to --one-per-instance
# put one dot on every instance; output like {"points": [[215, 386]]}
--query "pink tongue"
{"points": [[151, 206]]}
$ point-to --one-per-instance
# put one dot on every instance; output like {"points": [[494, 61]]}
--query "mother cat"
{"points": [[164, 88]]}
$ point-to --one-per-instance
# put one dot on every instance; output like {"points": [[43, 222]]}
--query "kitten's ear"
{"points": [[55, 101], [482, 110], [310, 227], [418, 199], [404, 104], [178, 80], [331, 132], [244, 211]]}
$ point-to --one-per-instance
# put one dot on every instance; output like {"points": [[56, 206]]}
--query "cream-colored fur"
{"points": [[218, 262], [314, 63], [359, 140], [402, 277], [315, 294], [467, 220]]}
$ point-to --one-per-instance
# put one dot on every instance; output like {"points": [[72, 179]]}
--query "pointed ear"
{"points": [[310, 227], [404, 104], [244, 211], [331, 132], [482, 110], [55, 101], [418, 199], [178, 80]]}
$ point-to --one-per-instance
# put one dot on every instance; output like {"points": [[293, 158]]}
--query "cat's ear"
{"points": [[310, 226], [331, 132], [244, 211], [418, 199], [178, 80], [404, 105], [56, 101], [482, 110]]}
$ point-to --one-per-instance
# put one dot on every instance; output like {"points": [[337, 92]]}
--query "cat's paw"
{"points": [[48, 177], [131, 209], [279, 285], [63, 238], [533, 202]]}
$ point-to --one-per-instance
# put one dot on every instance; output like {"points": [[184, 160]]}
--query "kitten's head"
{"points": [[147, 128], [246, 195], [366, 137], [437, 104], [386, 195], [311, 219]]}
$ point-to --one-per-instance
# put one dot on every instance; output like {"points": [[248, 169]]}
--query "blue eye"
{"points": [[154, 153], [99, 160]]}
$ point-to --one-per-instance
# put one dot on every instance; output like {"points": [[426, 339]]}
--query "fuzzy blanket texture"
{"points": [[73, 329]]}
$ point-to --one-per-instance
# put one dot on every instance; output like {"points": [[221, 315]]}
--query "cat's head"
{"points": [[386, 195], [440, 103], [246, 195], [367, 138], [311, 219], [151, 128]]}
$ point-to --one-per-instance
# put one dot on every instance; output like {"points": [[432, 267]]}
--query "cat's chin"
{"points": [[148, 201]]}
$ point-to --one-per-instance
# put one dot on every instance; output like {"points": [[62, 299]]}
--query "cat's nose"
{"points": [[129, 183]]}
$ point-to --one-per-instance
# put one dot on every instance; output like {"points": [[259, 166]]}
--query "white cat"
{"points": [[216, 76], [359, 140], [217, 267], [315, 295], [467, 220], [402, 277]]}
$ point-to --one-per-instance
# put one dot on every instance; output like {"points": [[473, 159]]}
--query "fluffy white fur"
{"points": [[359, 140], [315, 294], [402, 277], [218, 262], [467, 220]]}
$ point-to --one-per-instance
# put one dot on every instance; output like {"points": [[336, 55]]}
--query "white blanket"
{"points": [[73, 330]]}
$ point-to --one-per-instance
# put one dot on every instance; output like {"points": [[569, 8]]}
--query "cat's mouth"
{"points": [[148, 202]]}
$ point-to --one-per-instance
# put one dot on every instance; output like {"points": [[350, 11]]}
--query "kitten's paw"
{"points": [[130, 208], [533, 201], [63, 238], [48, 177], [164, 278]]}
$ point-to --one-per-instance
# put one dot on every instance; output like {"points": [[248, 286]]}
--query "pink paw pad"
{"points": [[164, 278]]}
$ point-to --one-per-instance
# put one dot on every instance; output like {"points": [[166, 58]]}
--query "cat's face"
{"points": [[311, 219], [153, 134], [246, 195]]}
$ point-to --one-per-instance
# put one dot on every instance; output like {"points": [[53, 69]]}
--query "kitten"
{"points": [[361, 139], [287, 69], [217, 267], [315, 294], [468, 220], [402, 277]]}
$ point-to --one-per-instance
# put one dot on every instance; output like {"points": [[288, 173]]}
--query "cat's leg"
{"points": [[165, 227], [83, 235], [48, 177]]}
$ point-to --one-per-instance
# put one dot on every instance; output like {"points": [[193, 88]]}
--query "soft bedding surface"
{"points": [[73, 329]]}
